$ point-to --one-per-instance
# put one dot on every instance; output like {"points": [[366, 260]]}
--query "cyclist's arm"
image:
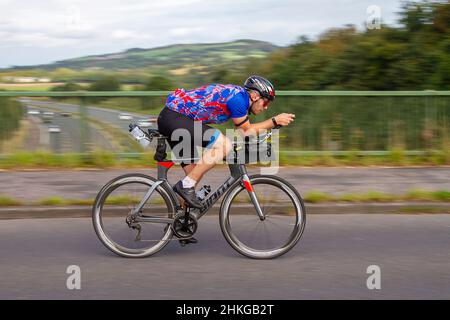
{"points": [[252, 128], [248, 128]]}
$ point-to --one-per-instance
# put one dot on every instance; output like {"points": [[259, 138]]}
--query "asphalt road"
{"points": [[330, 261]]}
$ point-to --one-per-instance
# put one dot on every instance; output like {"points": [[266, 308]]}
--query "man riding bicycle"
{"points": [[215, 104]]}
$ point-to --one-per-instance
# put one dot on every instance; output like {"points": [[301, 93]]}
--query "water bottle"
{"points": [[203, 192], [139, 135]]}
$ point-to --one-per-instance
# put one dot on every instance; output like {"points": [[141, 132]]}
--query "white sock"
{"points": [[188, 182]]}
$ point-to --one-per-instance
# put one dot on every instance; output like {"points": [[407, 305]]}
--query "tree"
{"points": [[159, 83], [69, 86], [156, 83], [108, 83]]}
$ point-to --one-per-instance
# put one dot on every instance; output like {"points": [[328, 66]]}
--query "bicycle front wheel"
{"points": [[113, 222], [284, 222]]}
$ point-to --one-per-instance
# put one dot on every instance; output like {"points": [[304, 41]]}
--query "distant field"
{"points": [[29, 86], [47, 86]]}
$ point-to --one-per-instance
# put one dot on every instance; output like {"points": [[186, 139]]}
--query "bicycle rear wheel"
{"points": [[278, 233], [111, 216]]}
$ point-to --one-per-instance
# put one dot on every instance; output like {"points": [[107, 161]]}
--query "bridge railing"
{"points": [[334, 122]]}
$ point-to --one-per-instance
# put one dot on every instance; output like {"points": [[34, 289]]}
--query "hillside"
{"points": [[168, 57]]}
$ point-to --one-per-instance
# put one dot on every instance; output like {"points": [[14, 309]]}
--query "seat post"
{"points": [[237, 170], [160, 155]]}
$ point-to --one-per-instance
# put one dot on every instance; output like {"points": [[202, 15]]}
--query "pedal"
{"points": [[184, 242]]}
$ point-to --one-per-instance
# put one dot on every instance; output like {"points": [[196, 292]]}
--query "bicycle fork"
{"points": [[248, 186]]}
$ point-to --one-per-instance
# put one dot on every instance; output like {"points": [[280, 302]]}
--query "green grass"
{"points": [[120, 138], [105, 159], [311, 197], [441, 195], [6, 201], [375, 196], [27, 87], [318, 196], [122, 200], [97, 159], [79, 202], [52, 201], [418, 194]]}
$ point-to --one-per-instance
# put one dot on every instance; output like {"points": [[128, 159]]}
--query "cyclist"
{"points": [[215, 104]]}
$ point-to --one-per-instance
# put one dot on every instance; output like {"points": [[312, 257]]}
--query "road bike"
{"points": [[260, 216]]}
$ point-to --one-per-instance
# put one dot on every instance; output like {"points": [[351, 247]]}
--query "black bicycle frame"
{"points": [[238, 174]]}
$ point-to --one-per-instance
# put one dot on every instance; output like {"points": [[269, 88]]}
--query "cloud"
{"points": [[85, 27], [130, 35], [184, 31]]}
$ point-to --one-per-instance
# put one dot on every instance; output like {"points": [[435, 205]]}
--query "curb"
{"points": [[43, 212]]}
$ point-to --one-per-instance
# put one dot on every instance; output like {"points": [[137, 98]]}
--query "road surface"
{"points": [[330, 262]]}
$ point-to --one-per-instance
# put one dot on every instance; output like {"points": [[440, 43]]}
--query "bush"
{"points": [[69, 86], [108, 83]]}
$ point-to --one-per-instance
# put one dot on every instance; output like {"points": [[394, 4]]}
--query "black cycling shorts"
{"points": [[169, 121]]}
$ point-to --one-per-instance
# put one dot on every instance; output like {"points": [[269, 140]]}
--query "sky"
{"points": [[37, 32]]}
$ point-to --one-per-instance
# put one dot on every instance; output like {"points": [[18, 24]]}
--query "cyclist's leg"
{"points": [[188, 168], [215, 153], [212, 139]]}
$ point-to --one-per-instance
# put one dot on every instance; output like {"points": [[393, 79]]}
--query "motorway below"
{"points": [[100, 114], [69, 139], [330, 262]]}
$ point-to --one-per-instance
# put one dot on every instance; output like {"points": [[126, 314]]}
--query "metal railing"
{"points": [[279, 93], [334, 122]]}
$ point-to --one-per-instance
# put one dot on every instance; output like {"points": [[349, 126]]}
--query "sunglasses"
{"points": [[266, 101]]}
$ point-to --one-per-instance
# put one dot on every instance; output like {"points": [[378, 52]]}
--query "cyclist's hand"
{"points": [[285, 118]]}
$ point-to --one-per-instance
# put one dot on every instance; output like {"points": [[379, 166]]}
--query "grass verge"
{"points": [[105, 159], [6, 201], [311, 197]]}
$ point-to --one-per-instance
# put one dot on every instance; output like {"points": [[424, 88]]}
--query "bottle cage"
{"points": [[160, 154]]}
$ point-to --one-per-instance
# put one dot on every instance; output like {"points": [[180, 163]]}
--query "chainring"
{"points": [[184, 229]]}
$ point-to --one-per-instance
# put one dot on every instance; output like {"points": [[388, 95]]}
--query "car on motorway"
{"points": [[47, 116], [147, 122], [125, 116], [33, 112], [64, 114], [54, 129]]}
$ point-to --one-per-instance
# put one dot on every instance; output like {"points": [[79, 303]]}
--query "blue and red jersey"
{"points": [[215, 103]]}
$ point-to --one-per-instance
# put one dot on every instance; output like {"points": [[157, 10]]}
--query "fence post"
{"points": [[84, 129]]}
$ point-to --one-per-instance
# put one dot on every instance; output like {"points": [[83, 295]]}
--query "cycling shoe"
{"points": [[184, 242], [188, 194]]}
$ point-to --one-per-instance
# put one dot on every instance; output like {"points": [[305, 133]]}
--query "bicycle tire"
{"points": [[244, 249], [97, 210]]}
